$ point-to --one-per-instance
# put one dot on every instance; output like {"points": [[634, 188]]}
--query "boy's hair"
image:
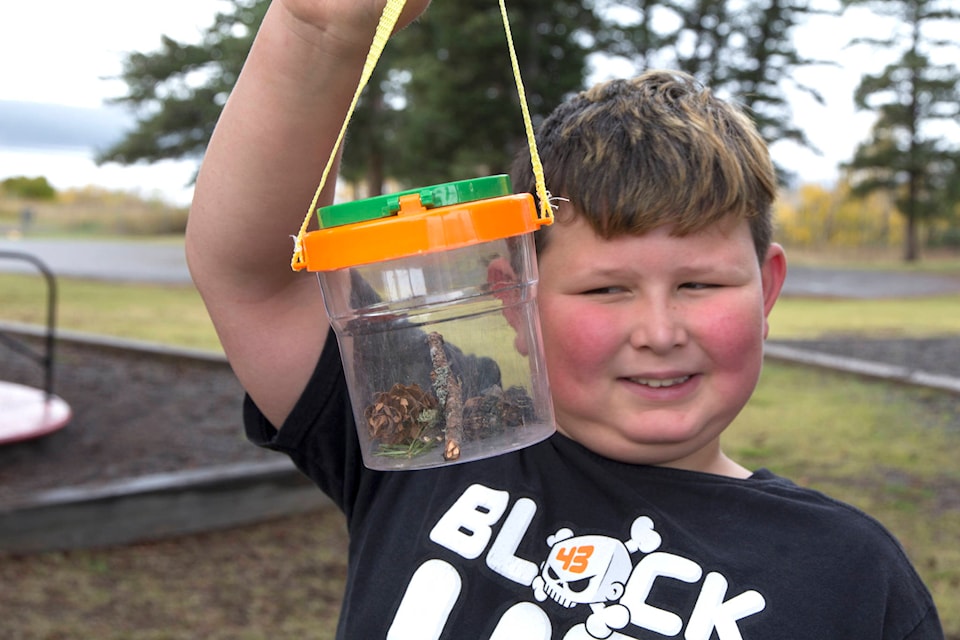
{"points": [[633, 155]]}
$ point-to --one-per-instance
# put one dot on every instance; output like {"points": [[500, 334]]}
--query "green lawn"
{"points": [[166, 314], [882, 318], [890, 450]]}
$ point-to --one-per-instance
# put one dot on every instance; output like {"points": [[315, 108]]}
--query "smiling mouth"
{"points": [[657, 383]]}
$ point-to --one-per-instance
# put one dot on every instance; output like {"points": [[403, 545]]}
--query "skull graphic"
{"points": [[583, 570]]}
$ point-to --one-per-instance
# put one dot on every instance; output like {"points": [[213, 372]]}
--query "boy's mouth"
{"points": [[657, 383]]}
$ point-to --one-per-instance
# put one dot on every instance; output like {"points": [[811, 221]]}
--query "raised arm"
{"points": [[258, 177]]}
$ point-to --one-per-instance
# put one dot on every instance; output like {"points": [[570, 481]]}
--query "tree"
{"points": [[452, 76], [178, 91], [37, 188], [440, 105], [906, 155], [822, 218], [740, 48]]}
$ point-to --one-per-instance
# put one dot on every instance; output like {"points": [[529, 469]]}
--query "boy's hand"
{"points": [[355, 20]]}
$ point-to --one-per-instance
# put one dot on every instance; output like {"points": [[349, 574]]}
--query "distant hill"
{"points": [[37, 125]]}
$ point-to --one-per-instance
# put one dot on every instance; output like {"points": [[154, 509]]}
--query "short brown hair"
{"points": [[632, 155]]}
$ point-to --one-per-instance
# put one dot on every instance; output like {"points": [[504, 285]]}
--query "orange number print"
{"points": [[575, 559]]}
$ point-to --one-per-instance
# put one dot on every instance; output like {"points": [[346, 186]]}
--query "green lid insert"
{"points": [[439, 195]]}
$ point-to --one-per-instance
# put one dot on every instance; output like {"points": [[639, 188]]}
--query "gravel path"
{"points": [[932, 355], [135, 413]]}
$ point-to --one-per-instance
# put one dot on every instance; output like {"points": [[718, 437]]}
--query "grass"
{"points": [[945, 262], [93, 212], [879, 318], [887, 449], [281, 579], [164, 314]]}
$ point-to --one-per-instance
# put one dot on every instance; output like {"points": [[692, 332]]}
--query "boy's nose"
{"points": [[657, 326]]}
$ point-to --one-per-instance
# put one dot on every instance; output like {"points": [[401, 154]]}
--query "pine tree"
{"points": [[446, 106], [441, 104], [741, 49], [177, 91], [906, 154]]}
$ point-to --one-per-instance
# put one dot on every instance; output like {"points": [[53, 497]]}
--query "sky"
{"points": [[64, 52]]}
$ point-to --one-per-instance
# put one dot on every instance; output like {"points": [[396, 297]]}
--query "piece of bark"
{"points": [[450, 396]]}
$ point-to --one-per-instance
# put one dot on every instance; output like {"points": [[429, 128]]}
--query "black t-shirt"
{"points": [[556, 542]]}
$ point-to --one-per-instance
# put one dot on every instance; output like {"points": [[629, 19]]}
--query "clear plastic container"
{"points": [[435, 312]]}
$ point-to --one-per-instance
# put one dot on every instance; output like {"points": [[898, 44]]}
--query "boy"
{"points": [[656, 281]]}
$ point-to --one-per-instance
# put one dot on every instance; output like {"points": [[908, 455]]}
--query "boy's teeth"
{"points": [[651, 382]]}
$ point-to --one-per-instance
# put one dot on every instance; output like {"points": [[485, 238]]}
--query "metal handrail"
{"points": [[45, 359]]}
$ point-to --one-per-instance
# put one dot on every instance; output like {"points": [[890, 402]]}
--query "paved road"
{"points": [[156, 262], [164, 263], [852, 283]]}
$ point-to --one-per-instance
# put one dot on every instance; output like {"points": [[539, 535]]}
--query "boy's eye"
{"points": [[697, 286], [599, 291]]}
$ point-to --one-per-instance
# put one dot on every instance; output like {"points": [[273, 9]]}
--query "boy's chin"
{"points": [[645, 445]]}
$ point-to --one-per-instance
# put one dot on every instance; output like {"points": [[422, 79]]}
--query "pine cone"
{"points": [[401, 415], [481, 415], [494, 411], [517, 407]]}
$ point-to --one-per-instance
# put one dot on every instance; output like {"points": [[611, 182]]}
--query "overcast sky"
{"points": [[66, 52]]}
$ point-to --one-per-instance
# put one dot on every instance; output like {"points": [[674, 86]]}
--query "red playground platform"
{"points": [[26, 412]]}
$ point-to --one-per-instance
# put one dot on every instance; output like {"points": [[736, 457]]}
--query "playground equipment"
{"points": [[27, 412]]}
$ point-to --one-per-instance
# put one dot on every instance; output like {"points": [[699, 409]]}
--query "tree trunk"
{"points": [[912, 248], [375, 174], [911, 252]]}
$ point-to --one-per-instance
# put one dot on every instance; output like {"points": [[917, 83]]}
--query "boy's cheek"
{"points": [[571, 333], [736, 344]]}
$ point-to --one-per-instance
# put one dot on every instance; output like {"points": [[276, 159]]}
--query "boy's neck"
{"points": [[724, 466], [713, 461]]}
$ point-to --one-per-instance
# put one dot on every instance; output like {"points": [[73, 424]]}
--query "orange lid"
{"points": [[416, 229]]}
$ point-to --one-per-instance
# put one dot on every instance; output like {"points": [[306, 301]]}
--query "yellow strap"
{"points": [[388, 20], [546, 211]]}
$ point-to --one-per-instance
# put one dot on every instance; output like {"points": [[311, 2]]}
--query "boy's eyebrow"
{"points": [[699, 268], [593, 269]]}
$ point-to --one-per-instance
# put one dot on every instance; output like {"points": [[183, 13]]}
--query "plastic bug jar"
{"points": [[432, 295]]}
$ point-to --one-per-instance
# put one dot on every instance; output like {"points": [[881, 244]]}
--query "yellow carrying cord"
{"points": [[388, 20]]}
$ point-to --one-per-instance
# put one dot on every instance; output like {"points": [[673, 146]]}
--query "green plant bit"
{"points": [[413, 449]]}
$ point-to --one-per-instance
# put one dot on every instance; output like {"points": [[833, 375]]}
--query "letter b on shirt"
{"points": [[466, 528]]}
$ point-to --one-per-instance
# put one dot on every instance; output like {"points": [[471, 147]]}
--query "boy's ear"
{"points": [[500, 273], [773, 273], [502, 280]]}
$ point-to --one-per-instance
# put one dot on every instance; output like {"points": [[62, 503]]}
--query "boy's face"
{"points": [[654, 343]]}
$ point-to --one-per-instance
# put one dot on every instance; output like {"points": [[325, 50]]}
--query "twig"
{"points": [[450, 397]]}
